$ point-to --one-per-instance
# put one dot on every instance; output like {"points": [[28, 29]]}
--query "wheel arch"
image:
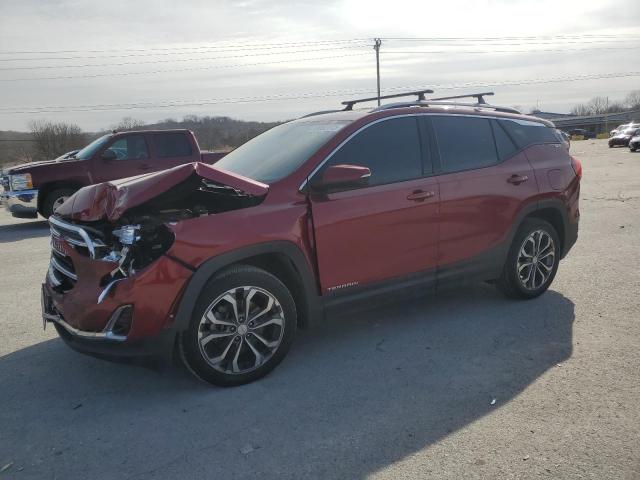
{"points": [[283, 259], [48, 187], [553, 211]]}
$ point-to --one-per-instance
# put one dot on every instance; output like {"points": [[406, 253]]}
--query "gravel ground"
{"points": [[405, 391]]}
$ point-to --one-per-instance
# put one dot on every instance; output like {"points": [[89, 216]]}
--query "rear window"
{"points": [[530, 133], [174, 144], [464, 142]]}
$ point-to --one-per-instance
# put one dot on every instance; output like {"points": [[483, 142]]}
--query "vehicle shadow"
{"points": [[355, 395], [25, 229]]}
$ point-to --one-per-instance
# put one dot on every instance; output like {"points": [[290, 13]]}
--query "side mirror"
{"points": [[341, 176], [108, 155]]}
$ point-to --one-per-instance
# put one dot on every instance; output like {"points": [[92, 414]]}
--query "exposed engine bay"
{"points": [[141, 235]]}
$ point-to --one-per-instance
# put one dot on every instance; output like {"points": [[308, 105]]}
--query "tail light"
{"points": [[577, 167]]}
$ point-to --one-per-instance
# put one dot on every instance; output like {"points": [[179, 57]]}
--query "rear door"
{"points": [[173, 148], [132, 157], [388, 228], [484, 182]]}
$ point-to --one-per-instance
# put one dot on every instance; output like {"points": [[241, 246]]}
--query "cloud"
{"points": [[83, 25]]}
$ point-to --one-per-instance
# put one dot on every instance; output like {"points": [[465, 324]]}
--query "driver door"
{"points": [[131, 158], [389, 228]]}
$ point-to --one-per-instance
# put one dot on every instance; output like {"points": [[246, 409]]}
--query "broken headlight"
{"points": [[137, 245]]}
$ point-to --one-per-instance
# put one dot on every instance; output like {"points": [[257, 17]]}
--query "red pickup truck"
{"points": [[41, 187]]}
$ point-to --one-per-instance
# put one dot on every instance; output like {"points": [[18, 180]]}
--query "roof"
{"points": [[353, 115], [155, 130]]}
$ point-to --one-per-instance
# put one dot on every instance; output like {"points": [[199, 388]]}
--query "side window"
{"points": [[464, 143], [172, 144], [130, 147], [390, 149], [506, 147], [525, 135]]}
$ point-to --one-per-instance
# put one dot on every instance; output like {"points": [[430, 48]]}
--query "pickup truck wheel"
{"points": [[54, 199], [532, 261], [242, 327]]}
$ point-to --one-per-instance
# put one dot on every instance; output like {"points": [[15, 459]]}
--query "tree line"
{"points": [[601, 105], [47, 140]]}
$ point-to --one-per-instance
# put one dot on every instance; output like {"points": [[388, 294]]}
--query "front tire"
{"points": [[54, 199], [532, 261], [243, 325]]}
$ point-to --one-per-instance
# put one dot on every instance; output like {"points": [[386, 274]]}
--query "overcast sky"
{"points": [[206, 52]]}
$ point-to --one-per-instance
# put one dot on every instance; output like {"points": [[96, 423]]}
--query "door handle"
{"points": [[419, 195], [517, 179], [145, 166]]}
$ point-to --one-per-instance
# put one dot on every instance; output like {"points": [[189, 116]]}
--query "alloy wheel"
{"points": [[536, 260], [241, 330]]}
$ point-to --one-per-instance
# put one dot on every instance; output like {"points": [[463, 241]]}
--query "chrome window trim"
{"points": [[423, 114]]}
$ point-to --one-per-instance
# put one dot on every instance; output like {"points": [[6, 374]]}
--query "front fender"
{"points": [[314, 307]]}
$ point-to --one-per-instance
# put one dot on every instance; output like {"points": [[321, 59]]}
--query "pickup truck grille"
{"points": [[4, 181]]}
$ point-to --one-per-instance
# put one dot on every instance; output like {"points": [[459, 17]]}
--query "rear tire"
{"points": [[242, 326], [532, 261], [54, 199]]}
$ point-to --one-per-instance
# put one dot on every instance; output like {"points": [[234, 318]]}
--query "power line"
{"points": [[244, 46], [213, 67], [147, 49], [505, 38], [221, 101], [200, 59], [510, 51], [195, 51]]}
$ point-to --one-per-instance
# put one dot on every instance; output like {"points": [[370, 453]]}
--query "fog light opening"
{"points": [[120, 322]]}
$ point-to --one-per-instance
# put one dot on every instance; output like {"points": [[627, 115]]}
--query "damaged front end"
{"points": [[110, 274]]}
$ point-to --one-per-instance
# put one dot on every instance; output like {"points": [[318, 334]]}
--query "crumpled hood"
{"points": [[110, 200]]}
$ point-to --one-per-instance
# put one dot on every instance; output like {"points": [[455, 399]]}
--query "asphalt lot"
{"points": [[404, 391]]}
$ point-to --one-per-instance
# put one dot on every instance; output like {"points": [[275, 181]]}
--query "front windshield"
{"points": [[87, 152], [278, 152]]}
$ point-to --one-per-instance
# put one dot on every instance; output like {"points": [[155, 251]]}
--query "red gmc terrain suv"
{"points": [[223, 263]]}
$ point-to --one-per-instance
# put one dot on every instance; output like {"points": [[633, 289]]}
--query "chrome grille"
{"points": [[62, 274], [75, 235]]}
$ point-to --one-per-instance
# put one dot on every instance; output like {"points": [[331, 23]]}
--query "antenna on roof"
{"points": [[478, 96], [350, 103]]}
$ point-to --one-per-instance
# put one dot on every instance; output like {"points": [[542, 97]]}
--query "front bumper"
{"points": [[87, 314], [21, 204], [619, 141]]}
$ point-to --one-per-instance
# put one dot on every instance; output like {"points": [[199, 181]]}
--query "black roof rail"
{"points": [[321, 112], [437, 103], [478, 96], [350, 103]]}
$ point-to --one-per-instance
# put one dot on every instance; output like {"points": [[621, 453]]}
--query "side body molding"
{"points": [[309, 300]]}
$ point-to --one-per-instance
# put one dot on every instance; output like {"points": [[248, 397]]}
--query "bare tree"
{"points": [[632, 100], [598, 105], [581, 110], [128, 123], [52, 139]]}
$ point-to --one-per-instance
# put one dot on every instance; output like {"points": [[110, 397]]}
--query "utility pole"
{"points": [[606, 117], [376, 47]]}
